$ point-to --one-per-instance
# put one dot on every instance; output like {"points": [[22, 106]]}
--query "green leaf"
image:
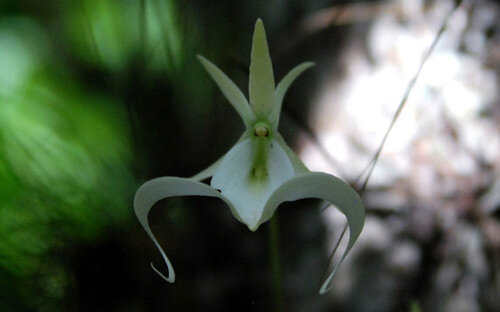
{"points": [[283, 87], [157, 189], [248, 190], [329, 188], [232, 93], [261, 84]]}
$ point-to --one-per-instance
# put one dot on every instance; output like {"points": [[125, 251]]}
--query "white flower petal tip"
{"points": [[171, 272]]}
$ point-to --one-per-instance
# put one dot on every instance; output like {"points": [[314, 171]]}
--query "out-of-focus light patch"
{"points": [[479, 139], [22, 46], [461, 102], [489, 202], [315, 160], [473, 241], [342, 147], [441, 69], [404, 256], [13, 52]]}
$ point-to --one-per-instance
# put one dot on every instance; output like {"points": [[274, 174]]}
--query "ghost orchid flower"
{"points": [[260, 171]]}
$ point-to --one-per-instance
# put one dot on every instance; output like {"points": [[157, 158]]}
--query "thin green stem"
{"points": [[274, 257]]}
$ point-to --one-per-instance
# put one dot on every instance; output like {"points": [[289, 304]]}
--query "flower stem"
{"points": [[274, 257]]}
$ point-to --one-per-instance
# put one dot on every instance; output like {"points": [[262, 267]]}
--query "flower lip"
{"points": [[247, 180]]}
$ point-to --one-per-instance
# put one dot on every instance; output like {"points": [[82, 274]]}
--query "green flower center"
{"points": [[261, 142], [261, 129]]}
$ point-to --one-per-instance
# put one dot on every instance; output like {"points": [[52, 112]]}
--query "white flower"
{"points": [[260, 171]]}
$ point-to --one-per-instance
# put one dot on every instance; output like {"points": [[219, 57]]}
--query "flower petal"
{"points": [[326, 187], [210, 170], [283, 87], [232, 93], [261, 84], [153, 191], [249, 195], [298, 165]]}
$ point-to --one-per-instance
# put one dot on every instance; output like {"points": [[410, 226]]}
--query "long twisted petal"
{"points": [[157, 189], [326, 187]]}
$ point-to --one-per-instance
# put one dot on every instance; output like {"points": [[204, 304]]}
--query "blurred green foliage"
{"points": [[111, 33], [64, 165]]}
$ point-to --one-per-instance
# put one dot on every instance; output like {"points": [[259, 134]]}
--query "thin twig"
{"points": [[330, 257], [367, 172]]}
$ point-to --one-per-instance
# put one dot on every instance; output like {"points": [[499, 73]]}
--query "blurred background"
{"points": [[98, 96]]}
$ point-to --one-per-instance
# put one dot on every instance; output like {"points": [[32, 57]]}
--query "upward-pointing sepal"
{"points": [[283, 87], [261, 84], [230, 90]]}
